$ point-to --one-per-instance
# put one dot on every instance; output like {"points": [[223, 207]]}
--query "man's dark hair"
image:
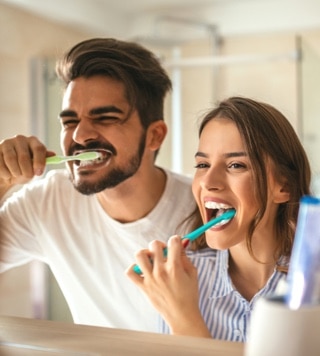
{"points": [[146, 82]]}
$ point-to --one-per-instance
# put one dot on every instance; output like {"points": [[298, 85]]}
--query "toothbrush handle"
{"points": [[55, 159], [193, 235], [199, 231], [61, 159]]}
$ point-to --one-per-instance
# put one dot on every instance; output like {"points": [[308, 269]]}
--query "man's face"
{"points": [[96, 116]]}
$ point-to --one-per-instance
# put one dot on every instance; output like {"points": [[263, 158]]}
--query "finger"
{"points": [[17, 156], [10, 159], [159, 256], [175, 247], [144, 261], [4, 171], [177, 256], [39, 153], [24, 158], [135, 278]]}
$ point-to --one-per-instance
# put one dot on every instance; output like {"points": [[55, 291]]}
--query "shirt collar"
{"points": [[222, 284]]}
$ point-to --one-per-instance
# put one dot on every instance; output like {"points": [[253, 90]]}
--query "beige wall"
{"points": [[259, 77], [23, 36], [261, 66]]}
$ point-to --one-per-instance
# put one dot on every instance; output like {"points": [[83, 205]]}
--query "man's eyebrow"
{"points": [[226, 155], [67, 113], [96, 111], [105, 110]]}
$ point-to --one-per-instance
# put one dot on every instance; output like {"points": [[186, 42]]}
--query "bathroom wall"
{"points": [[252, 65], [23, 37]]}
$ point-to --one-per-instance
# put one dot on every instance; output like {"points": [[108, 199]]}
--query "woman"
{"points": [[251, 160]]}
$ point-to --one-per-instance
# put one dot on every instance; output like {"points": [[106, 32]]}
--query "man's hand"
{"points": [[21, 158]]}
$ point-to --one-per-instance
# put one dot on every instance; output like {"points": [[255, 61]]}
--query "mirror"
{"points": [[263, 66]]}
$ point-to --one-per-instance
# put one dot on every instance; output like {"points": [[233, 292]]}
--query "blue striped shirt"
{"points": [[223, 308]]}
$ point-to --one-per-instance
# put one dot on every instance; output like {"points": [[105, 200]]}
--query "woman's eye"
{"points": [[237, 165], [201, 165]]}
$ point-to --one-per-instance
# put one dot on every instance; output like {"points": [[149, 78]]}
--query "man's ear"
{"points": [[156, 134]]}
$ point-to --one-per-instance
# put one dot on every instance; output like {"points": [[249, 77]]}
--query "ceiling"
{"points": [[149, 18]]}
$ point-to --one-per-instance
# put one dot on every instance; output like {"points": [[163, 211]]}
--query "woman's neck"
{"points": [[250, 275]]}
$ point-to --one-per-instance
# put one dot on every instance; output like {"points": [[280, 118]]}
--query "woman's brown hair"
{"points": [[267, 134]]}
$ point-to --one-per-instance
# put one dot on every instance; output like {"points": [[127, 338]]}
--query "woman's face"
{"points": [[223, 180]]}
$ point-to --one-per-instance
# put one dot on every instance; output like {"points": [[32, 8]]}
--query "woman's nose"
{"points": [[84, 132], [212, 180]]}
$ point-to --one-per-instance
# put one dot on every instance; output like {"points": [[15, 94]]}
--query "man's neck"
{"points": [[134, 198]]}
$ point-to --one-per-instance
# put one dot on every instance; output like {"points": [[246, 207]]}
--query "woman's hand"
{"points": [[171, 284]]}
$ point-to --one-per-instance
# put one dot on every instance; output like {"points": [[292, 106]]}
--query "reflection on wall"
{"points": [[309, 75], [262, 68], [46, 95]]}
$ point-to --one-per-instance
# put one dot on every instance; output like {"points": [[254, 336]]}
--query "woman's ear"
{"points": [[156, 134], [281, 192]]}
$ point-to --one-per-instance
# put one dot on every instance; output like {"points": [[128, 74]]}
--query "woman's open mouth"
{"points": [[214, 209]]}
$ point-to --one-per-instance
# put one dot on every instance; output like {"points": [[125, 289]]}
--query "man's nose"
{"points": [[84, 132]]}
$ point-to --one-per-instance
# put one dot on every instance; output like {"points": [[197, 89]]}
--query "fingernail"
{"points": [[38, 171], [185, 243]]}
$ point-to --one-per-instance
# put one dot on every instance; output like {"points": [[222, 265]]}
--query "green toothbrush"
{"points": [[85, 156]]}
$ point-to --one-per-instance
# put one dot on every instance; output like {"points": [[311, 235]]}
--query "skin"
{"points": [[224, 175], [95, 113]]}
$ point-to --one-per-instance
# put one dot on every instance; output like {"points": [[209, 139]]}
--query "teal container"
{"points": [[304, 269]]}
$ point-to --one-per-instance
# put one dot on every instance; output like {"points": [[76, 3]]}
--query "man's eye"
{"points": [[69, 123], [107, 119]]}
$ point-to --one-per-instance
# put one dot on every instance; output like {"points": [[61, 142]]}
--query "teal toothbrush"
{"points": [[193, 235], [85, 156]]}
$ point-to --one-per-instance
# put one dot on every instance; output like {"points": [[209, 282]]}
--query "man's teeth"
{"points": [[92, 161]]}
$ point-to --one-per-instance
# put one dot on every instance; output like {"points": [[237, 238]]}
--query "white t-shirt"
{"points": [[87, 251]]}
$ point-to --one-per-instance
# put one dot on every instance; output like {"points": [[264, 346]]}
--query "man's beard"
{"points": [[115, 176]]}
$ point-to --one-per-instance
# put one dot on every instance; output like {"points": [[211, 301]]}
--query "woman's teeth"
{"points": [[223, 222], [215, 205], [217, 209]]}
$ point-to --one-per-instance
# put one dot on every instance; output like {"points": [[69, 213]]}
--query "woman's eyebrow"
{"points": [[226, 155], [201, 154], [236, 154]]}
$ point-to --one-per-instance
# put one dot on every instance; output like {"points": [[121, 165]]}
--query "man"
{"points": [[87, 222]]}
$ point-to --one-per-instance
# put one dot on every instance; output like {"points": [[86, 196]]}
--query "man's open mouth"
{"points": [[103, 157]]}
